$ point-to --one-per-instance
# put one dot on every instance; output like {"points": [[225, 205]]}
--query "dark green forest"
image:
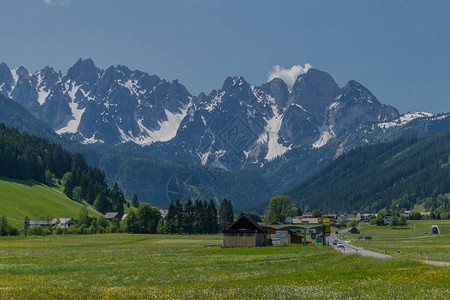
{"points": [[403, 173], [23, 156]]}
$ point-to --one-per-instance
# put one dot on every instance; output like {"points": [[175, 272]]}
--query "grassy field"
{"points": [[35, 200], [164, 266], [411, 243]]}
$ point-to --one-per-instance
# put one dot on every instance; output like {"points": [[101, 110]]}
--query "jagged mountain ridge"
{"points": [[229, 128], [99, 106]]}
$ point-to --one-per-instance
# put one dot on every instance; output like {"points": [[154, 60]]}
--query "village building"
{"points": [[364, 217], [305, 221], [387, 219], [61, 222], [283, 236], [111, 215], [35, 223], [245, 232]]}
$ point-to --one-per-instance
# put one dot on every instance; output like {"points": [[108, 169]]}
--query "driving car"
{"points": [[340, 245]]}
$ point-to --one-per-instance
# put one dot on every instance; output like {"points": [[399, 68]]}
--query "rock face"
{"points": [[355, 106], [230, 128]]}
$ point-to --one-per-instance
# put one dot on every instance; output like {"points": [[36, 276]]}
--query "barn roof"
{"points": [[244, 224], [111, 215]]}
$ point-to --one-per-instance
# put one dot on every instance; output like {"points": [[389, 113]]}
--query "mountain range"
{"points": [[280, 135]]}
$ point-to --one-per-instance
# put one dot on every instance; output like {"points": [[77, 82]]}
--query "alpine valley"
{"points": [[242, 142]]}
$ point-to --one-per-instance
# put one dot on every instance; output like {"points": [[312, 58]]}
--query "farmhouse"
{"points": [[387, 219], [61, 222], [35, 223], [111, 215], [245, 232]]}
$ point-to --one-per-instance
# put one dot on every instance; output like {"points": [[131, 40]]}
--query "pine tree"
{"points": [[101, 202], [212, 226], [134, 201], [188, 217], [226, 214], [84, 217]]}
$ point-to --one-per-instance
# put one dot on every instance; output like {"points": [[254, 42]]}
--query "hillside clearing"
{"points": [[20, 198]]}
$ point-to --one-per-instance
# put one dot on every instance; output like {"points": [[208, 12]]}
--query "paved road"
{"points": [[350, 249]]}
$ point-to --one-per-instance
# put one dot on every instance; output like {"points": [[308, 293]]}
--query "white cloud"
{"points": [[59, 2], [288, 75]]}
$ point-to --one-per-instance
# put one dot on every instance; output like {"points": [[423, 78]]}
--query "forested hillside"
{"points": [[404, 172], [23, 156]]}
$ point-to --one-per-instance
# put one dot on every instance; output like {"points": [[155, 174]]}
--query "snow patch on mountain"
{"points": [[72, 90], [93, 140], [42, 95], [72, 125], [15, 76], [326, 134], [406, 118], [167, 130], [270, 136]]}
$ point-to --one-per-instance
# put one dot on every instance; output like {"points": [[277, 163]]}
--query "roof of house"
{"points": [[244, 224], [60, 220], [306, 221], [111, 215], [40, 223]]}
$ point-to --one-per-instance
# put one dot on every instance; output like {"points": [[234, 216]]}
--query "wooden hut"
{"points": [[245, 232]]}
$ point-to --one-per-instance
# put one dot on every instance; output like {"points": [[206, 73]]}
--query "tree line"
{"points": [[196, 217]]}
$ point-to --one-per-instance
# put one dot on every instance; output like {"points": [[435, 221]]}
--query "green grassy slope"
{"points": [[20, 198]]}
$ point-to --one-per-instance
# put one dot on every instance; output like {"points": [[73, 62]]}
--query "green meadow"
{"points": [[20, 198], [412, 243], [127, 266]]}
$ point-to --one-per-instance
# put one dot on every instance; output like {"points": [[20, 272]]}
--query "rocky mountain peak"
{"points": [[356, 92], [314, 91], [357, 105], [233, 81], [22, 73], [83, 71], [278, 90], [6, 78]]}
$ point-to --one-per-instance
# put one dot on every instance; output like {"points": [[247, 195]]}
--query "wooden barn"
{"points": [[245, 232]]}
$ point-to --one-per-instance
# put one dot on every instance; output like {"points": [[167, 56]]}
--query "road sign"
{"points": [[326, 226], [281, 234]]}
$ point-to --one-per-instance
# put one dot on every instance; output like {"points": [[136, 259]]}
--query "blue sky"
{"points": [[400, 50]]}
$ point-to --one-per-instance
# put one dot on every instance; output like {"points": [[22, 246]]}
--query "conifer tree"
{"points": [[134, 201]]}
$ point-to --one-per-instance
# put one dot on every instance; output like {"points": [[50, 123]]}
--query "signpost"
{"points": [[326, 228]]}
